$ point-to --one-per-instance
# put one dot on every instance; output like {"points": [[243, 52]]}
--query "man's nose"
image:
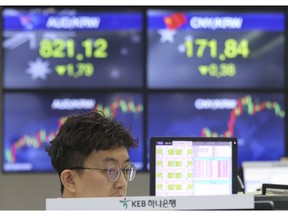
{"points": [[121, 181]]}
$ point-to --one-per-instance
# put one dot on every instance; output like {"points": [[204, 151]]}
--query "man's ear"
{"points": [[67, 179]]}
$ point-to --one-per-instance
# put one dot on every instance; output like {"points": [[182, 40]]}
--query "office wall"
{"points": [[29, 191]]}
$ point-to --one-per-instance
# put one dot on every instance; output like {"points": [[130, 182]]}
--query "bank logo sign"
{"points": [[156, 203]]}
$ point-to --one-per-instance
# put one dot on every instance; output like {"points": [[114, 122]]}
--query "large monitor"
{"points": [[76, 47], [193, 166], [195, 48], [257, 119], [32, 120], [257, 173]]}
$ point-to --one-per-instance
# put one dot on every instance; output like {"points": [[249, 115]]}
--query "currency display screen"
{"points": [[54, 48], [210, 49], [170, 71], [28, 127], [256, 119]]}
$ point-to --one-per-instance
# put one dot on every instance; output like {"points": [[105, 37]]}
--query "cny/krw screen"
{"points": [[257, 120], [195, 49], [56, 48]]}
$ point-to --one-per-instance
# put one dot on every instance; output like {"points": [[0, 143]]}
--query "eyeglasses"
{"points": [[113, 171]]}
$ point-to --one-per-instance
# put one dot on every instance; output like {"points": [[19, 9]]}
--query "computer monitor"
{"points": [[193, 166], [257, 173]]}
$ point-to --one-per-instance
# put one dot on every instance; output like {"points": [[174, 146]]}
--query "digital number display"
{"points": [[215, 50], [69, 48], [28, 128], [256, 119]]}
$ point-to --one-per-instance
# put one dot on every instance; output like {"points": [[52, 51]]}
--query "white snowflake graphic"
{"points": [[167, 35], [38, 69]]}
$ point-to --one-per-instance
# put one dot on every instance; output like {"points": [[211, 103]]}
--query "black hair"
{"points": [[83, 133]]}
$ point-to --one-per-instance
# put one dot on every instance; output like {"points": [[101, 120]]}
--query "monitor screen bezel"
{"points": [[154, 139]]}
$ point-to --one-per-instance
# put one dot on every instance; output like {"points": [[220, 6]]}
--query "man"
{"points": [[90, 155]]}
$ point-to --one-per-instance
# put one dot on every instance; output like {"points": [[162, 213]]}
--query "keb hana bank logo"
{"points": [[125, 203], [148, 204]]}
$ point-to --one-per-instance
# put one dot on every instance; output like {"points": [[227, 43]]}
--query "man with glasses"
{"points": [[90, 155]]}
